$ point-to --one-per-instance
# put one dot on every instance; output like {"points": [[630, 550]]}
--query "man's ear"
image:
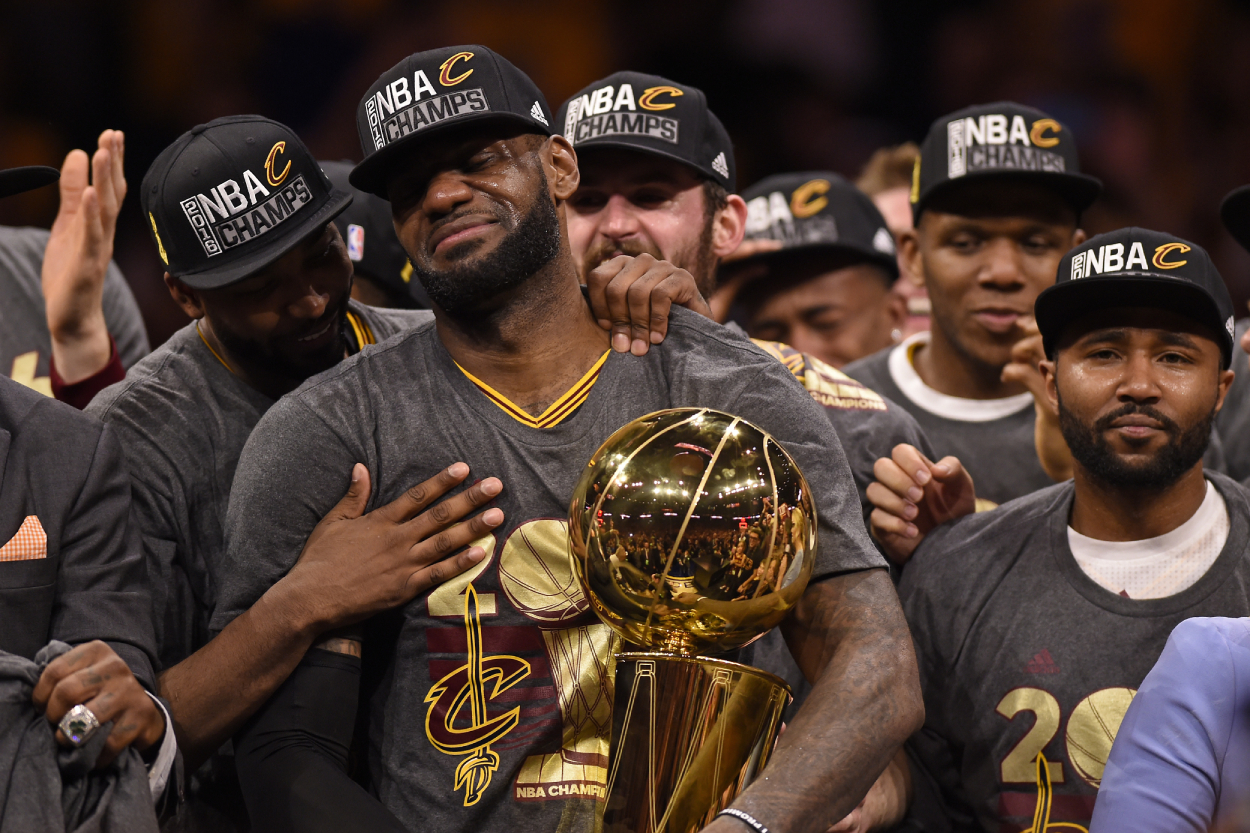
{"points": [[187, 299], [1047, 368], [561, 162], [909, 256], [1078, 237], [1225, 382], [729, 226]]}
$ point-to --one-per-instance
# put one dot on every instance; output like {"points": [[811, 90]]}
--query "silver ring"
{"points": [[78, 725]]}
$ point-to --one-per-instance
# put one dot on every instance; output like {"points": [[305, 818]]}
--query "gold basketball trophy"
{"points": [[692, 531]]}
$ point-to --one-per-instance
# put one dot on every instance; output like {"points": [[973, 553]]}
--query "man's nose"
{"points": [[1139, 383], [1001, 267], [619, 218], [446, 191], [311, 303]]}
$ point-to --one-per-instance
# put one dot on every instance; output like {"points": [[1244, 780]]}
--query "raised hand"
{"points": [[78, 254]]}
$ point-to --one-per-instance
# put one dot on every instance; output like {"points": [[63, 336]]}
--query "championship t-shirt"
{"points": [[182, 418], [515, 627], [993, 438], [1028, 665], [25, 344]]}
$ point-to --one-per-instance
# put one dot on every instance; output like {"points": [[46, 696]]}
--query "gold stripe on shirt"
{"points": [[557, 411]]}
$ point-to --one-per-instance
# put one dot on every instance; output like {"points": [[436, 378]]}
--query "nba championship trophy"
{"points": [[692, 532]]}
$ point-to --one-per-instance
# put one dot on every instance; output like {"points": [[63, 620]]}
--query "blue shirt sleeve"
{"points": [[1164, 770]]}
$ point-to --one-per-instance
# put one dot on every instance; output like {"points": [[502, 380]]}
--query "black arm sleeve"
{"points": [[292, 756]]}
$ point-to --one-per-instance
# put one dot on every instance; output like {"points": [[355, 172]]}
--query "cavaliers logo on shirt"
{"points": [[517, 683]]}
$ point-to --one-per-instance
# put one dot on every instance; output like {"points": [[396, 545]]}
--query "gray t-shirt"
{"points": [[406, 411], [999, 453], [25, 344], [182, 419], [1233, 420], [1021, 653]]}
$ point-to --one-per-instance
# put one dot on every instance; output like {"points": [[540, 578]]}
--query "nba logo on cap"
{"points": [[356, 242]]}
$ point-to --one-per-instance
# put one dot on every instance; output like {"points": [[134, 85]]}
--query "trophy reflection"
{"points": [[692, 532]]}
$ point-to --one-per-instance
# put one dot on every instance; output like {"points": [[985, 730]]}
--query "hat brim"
{"points": [[619, 144], [19, 180], [1235, 212], [855, 256], [1061, 304], [281, 244], [377, 169], [1078, 190]]}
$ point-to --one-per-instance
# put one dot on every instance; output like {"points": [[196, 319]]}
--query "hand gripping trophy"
{"points": [[692, 532]]}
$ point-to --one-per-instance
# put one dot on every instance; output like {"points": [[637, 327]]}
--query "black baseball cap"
{"points": [[818, 211], [427, 93], [372, 245], [653, 115], [1135, 267], [1235, 212], [230, 197], [15, 181], [1003, 139]]}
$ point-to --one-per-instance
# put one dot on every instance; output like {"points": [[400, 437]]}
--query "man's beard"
{"points": [[1090, 448], [701, 264], [290, 363], [528, 247]]}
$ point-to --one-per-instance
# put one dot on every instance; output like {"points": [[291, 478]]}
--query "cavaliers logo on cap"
{"points": [[275, 181], [444, 75], [647, 100], [809, 199], [1166, 249], [1038, 134]]}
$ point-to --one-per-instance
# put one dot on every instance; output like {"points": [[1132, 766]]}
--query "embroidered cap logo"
{"points": [[269, 165], [647, 100], [444, 75], [808, 198], [1166, 249]]}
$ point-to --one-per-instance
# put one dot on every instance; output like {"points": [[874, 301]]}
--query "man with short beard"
{"points": [[657, 176], [1034, 624], [516, 374]]}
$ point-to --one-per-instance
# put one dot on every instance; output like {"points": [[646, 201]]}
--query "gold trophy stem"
{"points": [[688, 734]]}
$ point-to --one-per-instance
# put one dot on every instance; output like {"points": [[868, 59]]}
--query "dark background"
{"points": [[1156, 91]]}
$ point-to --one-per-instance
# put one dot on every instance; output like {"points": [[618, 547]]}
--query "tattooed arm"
{"points": [[849, 637]]}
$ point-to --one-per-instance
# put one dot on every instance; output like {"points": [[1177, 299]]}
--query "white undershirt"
{"points": [[941, 404], [1157, 567]]}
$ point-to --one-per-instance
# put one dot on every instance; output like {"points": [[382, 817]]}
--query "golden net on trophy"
{"points": [[692, 532]]}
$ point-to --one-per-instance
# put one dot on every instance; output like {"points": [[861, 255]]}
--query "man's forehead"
{"points": [[998, 200], [1125, 324], [454, 148], [620, 167]]}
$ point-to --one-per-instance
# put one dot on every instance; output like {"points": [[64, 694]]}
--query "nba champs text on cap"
{"points": [[1001, 139], [1136, 267], [426, 93], [653, 115], [818, 210], [230, 197]]}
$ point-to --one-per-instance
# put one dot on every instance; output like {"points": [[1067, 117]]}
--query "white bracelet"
{"points": [[746, 818]]}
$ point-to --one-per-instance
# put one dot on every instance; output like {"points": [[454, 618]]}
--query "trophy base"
{"points": [[688, 734]]}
